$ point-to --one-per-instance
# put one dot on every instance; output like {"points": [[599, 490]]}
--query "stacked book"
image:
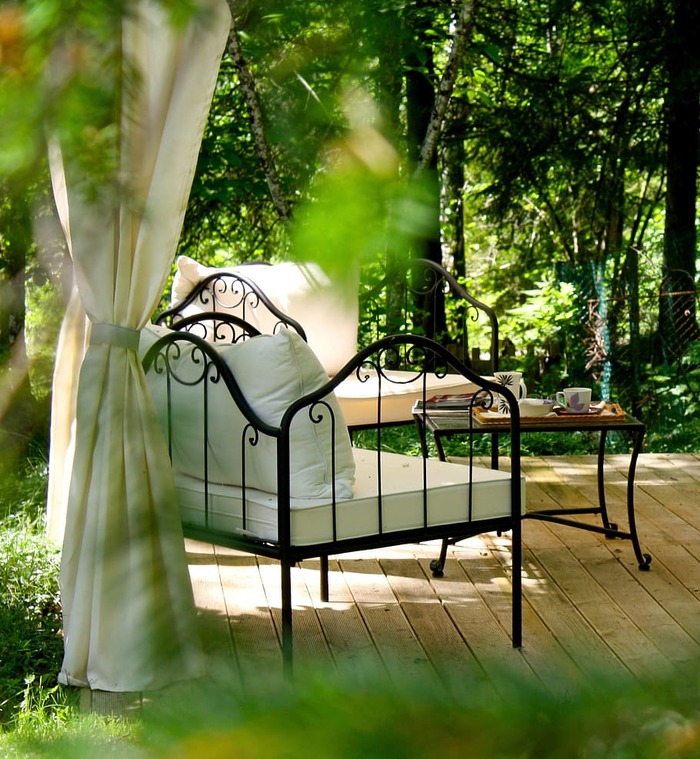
{"points": [[449, 404]]}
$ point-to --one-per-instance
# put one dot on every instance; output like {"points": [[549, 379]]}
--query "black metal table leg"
{"points": [[644, 559], [437, 566], [601, 483]]}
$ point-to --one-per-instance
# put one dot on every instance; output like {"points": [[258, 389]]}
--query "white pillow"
{"points": [[271, 371], [327, 310]]}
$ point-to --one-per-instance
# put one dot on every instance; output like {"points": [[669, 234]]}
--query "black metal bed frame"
{"points": [[411, 298], [215, 296], [408, 300], [425, 356]]}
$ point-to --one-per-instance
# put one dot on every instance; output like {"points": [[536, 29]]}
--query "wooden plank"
{"points": [[681, 499], [674, 577], [483, 615], [629, 590], [256, 642], [588, 609], [688, 463], [386, 622], [432, 621], [671, 468], [110, 703], [541, 650], [344, 629], [673, 544], [632, 596], [593, 580], [310, 647], [558, 615], [208, 597]]}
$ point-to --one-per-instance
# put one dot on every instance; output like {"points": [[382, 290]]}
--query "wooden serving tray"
{"points": [[612, 412]]}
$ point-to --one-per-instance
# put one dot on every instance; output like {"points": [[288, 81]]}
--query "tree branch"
{"points": [[250, 95], [447, 82]]}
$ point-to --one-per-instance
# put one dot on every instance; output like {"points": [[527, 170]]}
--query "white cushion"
{"points": [[401, 504], [357, 396], [271, 371], [327, 310]]}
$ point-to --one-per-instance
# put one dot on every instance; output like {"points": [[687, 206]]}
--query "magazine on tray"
{"points": [[463, 402]]}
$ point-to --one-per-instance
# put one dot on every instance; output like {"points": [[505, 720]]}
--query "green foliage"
{"points": [[331, 717], [43, 321], [43, 712], [401, 439], [362, 209], [366, 716], [31, 647], [49, 724], [543, 326], [671, 405], [30, 616]]}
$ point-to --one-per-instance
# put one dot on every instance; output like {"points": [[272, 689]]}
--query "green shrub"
{"points": [[23, 491], [30, 617], [31, 646]]}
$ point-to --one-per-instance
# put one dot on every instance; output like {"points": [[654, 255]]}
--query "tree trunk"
{"points": [[16, 402], [446, 85], [250, 95], [677, 310], [15, 240], [453, 160]]}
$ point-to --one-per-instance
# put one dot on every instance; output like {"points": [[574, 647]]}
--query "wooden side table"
{"points": [[444, 425]]}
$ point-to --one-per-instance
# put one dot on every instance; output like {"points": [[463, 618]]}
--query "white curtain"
{"points": [[129, 615]]}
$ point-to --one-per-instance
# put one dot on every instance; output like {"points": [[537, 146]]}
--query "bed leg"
{"points": [[437, 566], [287, 652], [517, 585], [324, 579]]}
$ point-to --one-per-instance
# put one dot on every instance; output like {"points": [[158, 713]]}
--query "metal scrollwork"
{"points": [[424, 281], [168, 353], [364, 371], [471, 313], [482, 397], [226, 332], [196, 328], [241, 296], [250, 435], [172, 360], [279, 326], [318, 410]]}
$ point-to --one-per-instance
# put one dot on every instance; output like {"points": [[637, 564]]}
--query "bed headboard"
{"points": [[270, 297]]}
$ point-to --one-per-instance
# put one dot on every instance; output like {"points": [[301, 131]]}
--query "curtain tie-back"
{"points": [[113, 334]]}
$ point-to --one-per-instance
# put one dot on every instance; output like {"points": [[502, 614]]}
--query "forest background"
{"points": [[545, 152]]}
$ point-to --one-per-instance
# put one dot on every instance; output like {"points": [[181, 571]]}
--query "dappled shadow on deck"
{"points": [[588, 609]]}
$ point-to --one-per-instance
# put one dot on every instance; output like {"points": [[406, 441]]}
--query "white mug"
{"points": [[515, 383], [575, 400]]}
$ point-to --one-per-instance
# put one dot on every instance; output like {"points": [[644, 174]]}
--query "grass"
{"points": [[31, 647], [404, 439], [38, 716], [367, 716]]}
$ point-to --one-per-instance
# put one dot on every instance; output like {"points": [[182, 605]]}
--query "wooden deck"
{"points": [[588, 609]]}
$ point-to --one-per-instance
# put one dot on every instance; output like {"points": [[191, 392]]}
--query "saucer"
{"points": [[570, 412]]}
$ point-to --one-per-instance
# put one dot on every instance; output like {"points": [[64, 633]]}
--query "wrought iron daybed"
{"points": [[263, 461], [327, 314]]}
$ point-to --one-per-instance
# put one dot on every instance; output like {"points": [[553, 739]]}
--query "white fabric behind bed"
{"points": [[327, 310], [402, 501], [358, 397]]}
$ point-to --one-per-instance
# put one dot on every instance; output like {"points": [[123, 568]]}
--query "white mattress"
{"points": [[402, 503], [358, 399]]}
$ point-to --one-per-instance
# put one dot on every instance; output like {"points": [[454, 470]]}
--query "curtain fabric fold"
{"points": [[129, 616]]}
